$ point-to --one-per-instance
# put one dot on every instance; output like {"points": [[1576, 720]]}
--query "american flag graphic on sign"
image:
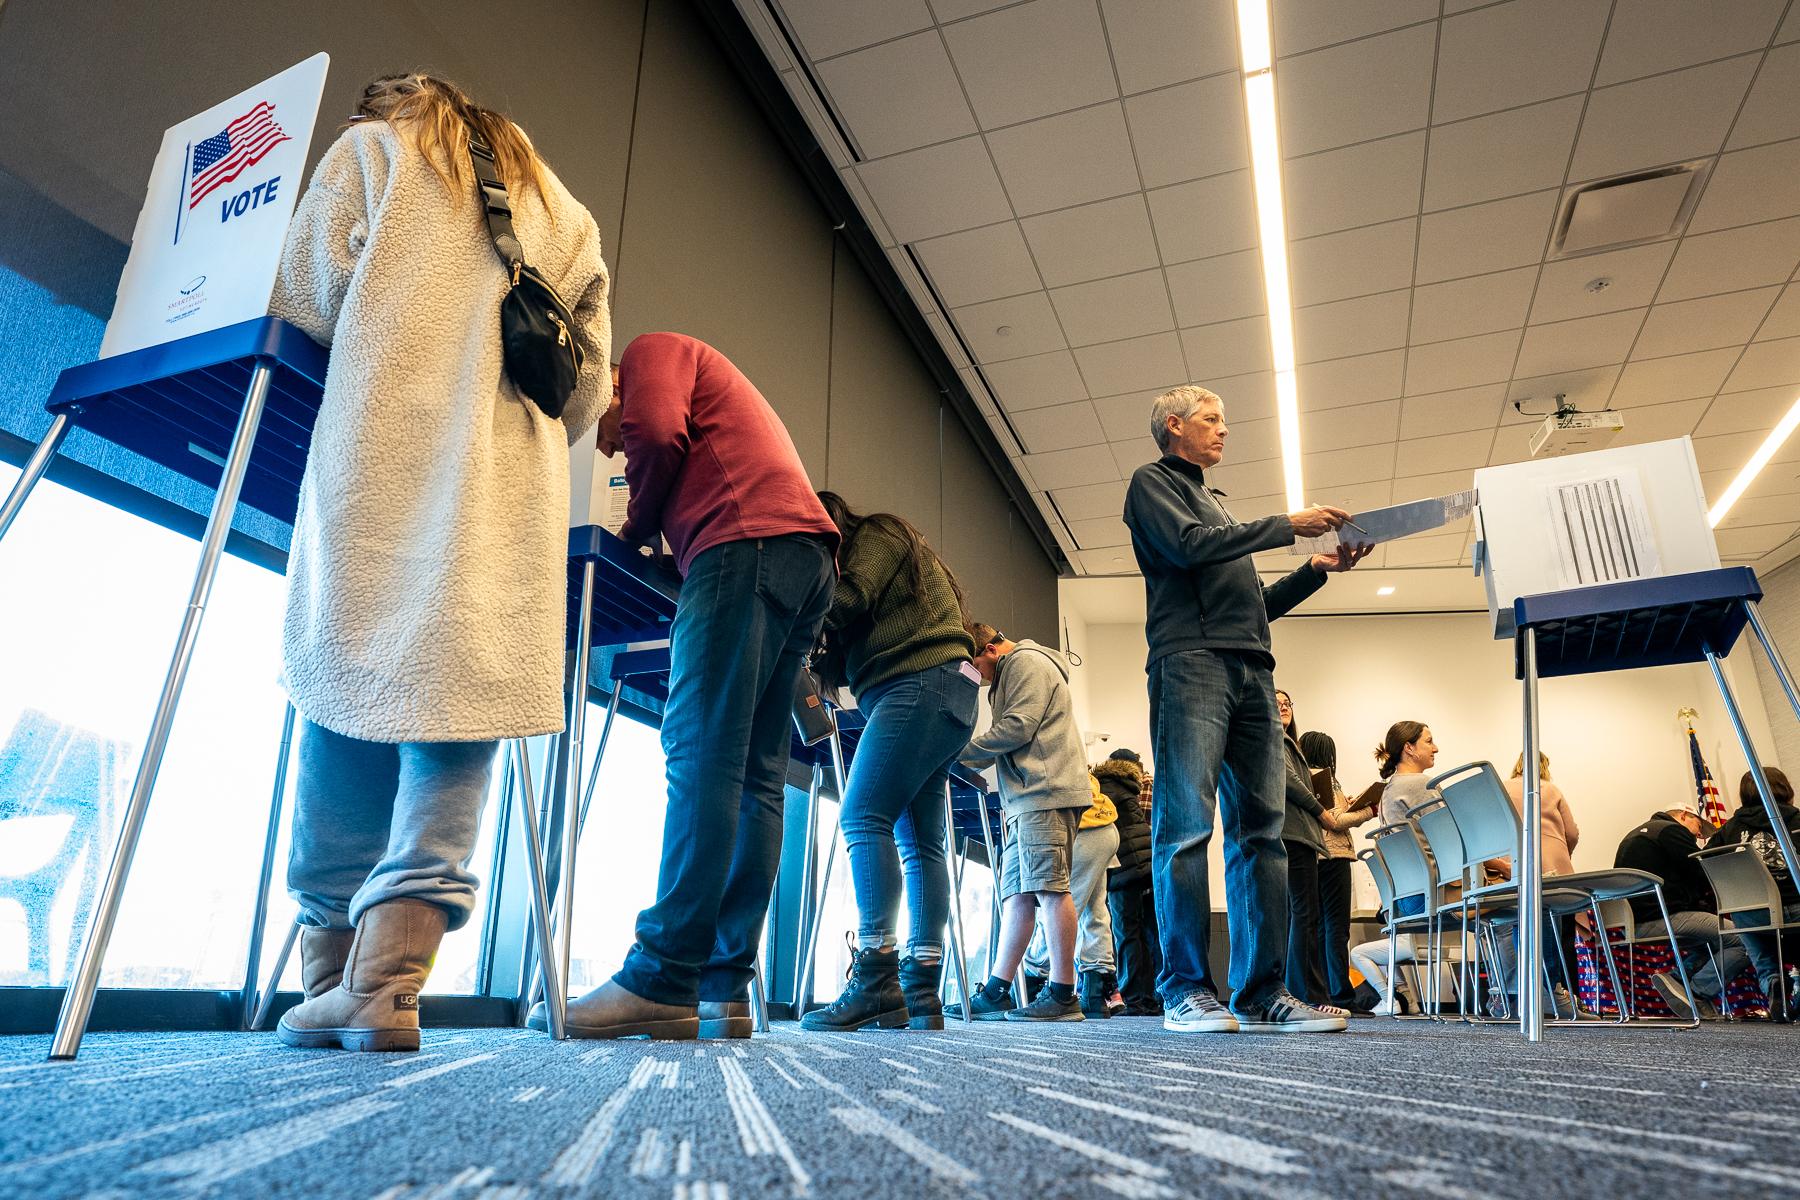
{"points": [[227, 154]]}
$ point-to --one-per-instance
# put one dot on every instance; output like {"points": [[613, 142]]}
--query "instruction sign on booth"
{"points": [[209, 236]]}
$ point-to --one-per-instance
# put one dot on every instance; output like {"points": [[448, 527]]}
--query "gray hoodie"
{"points": [[1033, 738]]}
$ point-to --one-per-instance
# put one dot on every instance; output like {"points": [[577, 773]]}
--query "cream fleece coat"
{"points": [[427, 575]]}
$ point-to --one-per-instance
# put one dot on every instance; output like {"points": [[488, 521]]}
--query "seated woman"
{"points": [[1750, 823], [1406, 755], [1558, 839]]}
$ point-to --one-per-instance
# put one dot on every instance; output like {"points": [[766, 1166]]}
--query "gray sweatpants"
{"points": [[1094, 849], [377, 821]]}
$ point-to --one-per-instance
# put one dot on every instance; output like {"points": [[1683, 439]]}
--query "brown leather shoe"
{"points": [[323, 953], [609, 1011], [376, 1004], [725, 1019]]}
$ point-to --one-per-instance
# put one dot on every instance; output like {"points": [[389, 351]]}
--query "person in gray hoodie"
{"points": [[1035, 747]]}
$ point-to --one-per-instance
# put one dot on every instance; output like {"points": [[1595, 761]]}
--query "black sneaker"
{"points": [[1095, 988], [919, 984], [1048, 1008], [871, 996], [984, 1008], [1281, 1013], [1199, 1012]]}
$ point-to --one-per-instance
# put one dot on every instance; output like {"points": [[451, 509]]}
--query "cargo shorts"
{"points": [[1040, 846]]}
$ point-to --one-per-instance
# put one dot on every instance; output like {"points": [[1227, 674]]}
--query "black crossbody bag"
{"points": [[537, 330]]}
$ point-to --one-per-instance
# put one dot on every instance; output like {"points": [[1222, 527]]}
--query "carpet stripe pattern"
{"points": [[1101, 1109]]}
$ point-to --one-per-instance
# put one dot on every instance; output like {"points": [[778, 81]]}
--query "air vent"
{"points": [[1629, 210]]}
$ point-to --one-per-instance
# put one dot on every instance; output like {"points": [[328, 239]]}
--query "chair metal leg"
{"points": [[958, 948], [78, 1001], [259, 1019], [490, 924], [571, 775], [1778, 827], [555, 999], [809, 863], [1529, 870], [593, 781], [818, 921], [35, 466], [1569, 980], [259, 913], [1687, 985], [1612, 963]]}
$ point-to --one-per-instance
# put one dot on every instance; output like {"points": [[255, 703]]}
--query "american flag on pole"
{"points": [[227, 154], [1707, 792]]}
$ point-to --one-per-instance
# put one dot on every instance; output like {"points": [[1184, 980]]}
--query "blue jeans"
{"points": [[749, 613], [1761, 946], [1218, 742], [918, 724]]}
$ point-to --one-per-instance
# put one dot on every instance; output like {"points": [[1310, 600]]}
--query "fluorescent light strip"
{"points": [[1757, 462], [1271, 225]]}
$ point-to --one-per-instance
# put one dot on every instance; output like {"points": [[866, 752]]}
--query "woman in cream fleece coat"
{"points": [[426, 580]]}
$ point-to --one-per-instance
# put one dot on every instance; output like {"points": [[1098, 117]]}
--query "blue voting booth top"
{"points": [[1639, 623]]}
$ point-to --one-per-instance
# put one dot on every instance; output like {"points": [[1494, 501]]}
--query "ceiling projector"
{"points": [[1567, 431]]}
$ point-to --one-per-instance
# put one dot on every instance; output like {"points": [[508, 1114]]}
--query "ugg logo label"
{"points": [[406, 1002]]}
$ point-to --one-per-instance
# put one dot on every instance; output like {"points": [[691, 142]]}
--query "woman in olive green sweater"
{"points": [[896, 637]]}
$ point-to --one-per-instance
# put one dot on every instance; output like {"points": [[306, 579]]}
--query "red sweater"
{"points": [[706, 458]]}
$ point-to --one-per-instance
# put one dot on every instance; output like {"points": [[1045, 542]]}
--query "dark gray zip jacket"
{"points": [[1200, 584]]}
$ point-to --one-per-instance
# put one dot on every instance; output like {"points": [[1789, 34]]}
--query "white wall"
{"points": [[1616, 748]]}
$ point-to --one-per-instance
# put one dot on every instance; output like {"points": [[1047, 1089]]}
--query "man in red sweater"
{"points": [[712, 469]]}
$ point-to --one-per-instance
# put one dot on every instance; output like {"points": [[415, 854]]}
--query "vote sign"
{"points": [[216, 212]]}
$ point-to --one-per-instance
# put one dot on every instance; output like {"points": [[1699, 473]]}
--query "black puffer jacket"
{"points": [[1122, 781]]}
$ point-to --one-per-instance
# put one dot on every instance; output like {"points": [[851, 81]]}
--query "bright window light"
{"points": [[1757, 462], [1271, 224], [1384, 591]]}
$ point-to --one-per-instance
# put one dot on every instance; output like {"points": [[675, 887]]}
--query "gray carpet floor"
{"points": [[1114, 1108]]}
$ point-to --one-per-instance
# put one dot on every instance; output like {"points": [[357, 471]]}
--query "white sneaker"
{"points": [[1281, 1013], [1199, 1012]]}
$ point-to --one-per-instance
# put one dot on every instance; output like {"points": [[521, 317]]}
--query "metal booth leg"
{"points": [[987, 842], [259, 1019], [593, 781], [1529, 871], [571, 796], [34, 470], [809, 865], [759, 1000], [260, 913], [555, 1000], [810, 948], [78, 1001], [958, 947], [1783, 837]]}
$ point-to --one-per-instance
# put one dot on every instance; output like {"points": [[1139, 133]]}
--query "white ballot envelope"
{"points": [[1389, 524]]}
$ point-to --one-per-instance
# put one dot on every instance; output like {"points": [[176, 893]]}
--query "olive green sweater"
{"points": [[882, 628]]}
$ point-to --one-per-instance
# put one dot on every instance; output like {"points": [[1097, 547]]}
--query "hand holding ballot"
{"points": [[1316, 521], [1343, 558]]}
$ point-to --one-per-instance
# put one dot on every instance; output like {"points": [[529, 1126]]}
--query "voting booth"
{"points": [[1603, 562]]}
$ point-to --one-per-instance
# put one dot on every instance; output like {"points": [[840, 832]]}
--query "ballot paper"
{"points": [[1388, 524], [1602, 530]]}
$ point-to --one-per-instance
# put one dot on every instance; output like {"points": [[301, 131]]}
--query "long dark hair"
{"points": [[920, 557], [1319, 751], [1400, 735]]}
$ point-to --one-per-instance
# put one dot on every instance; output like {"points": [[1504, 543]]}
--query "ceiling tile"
{"points": [[1334, 468], [956, 10], [1253, 441], [1682, 377], [1452, 412], [1028, 322], [1133, 453], [1210, 290], [979, 264], [1512, 444], [1001, 58], [940, 329], [1125, 417], [1730, 451], [1503, 154], [1339, 382], [1059, 427], [1189, 130], [1361, 497], [1790, 28], [1300, 26], [1092, 241], [1463, 363], [1644, 124], [1733, 260], [1747, 412], [1357, 91], [1090, 502], [1767, 510], [1356, 425], [1100, 533], [1072, 468], [1228, 348], [1159, 42], [1705, 324], [1355, 262], [1107, 310], [1646, 36], [1350, 327], [898, 95], [827, 27], [937, 190], [1446, 452], [1661, 422], [1063, 161], [1584, 342], [866, 205], [1026, 383], [1114, 560], [1517, 53], [1247, 397], [1773, 110], [1485, 237], [1766, 364], [1204, 217], [1132, 366], [1260, 478], [1465, 307], [1585, 388], [1633, 276], [984, 400], [1784, 319], [1433, 551], [1354, 185], [1752, 541], [1408, 488], [1759, 184]]}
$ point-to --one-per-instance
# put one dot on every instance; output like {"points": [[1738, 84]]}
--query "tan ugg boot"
{"points": [[376, 1005], [323, 953]]}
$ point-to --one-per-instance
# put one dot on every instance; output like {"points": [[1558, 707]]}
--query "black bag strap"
{"points": [[496, 204]]}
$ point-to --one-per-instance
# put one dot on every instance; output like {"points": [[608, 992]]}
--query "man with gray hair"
{"points": [[1217, 740]]}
